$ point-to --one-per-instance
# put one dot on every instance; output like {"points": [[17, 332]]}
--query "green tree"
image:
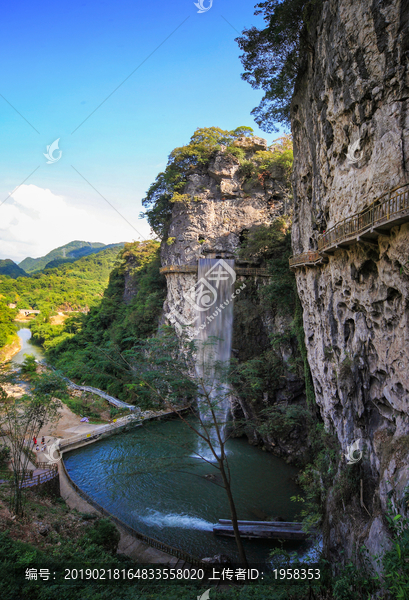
{"points": [[105, 534], [6, 323], [274, 56], [22, 418], [170, 183]]}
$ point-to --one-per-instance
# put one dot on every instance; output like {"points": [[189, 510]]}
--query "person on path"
{"points": [[35, 441], [43, 440]]}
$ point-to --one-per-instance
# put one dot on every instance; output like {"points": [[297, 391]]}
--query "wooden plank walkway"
{"points": [[275, 530], [387, 211], [240, 271]]}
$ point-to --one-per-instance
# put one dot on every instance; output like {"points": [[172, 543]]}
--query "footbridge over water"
{"points": [[387, 211]]}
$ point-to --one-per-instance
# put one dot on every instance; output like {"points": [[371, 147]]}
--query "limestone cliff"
{"points": [[350, 123], [223, 204]]}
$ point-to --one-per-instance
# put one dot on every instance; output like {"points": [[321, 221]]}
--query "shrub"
{"points": [[105, 534], [29, 364]]}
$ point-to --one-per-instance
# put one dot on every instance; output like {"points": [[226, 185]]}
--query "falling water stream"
{"points": [[214, 306]]}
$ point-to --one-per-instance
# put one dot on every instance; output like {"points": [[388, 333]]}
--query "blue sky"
{"points": [[63, 60]]}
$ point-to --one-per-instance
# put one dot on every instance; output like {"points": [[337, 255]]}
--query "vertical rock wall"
{"points": [[221, 208], [350, 122], [225, 205]]}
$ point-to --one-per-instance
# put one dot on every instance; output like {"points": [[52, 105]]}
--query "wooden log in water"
{"points": [[262, 529]]}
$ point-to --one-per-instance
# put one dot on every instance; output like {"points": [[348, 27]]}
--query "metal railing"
{"points": [[252, 271], [245, 271], [305, 258], [154, 543], [46, 465], [178, 269], [117, 424], [385, 209], [33, 480], [28, 478], [388, 208], [136, 419]]}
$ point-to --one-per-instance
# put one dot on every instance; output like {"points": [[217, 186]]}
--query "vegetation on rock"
{"points": [[274, 56], [254, 168]]}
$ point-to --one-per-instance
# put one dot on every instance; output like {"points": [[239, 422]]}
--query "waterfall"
{"points": [[214, 308]]}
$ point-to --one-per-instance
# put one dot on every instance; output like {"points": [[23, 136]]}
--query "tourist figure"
{"points": [[43, 440], [37, 448], [35, 441]]}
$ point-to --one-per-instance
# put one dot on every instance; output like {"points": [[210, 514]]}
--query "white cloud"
{"points": [[33, 221]]}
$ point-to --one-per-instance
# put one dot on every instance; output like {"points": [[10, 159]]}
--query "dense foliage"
{"points": [[254, 170], [84, 345], [8, 267], [169, 184], [259, 370], [7, 328], [74, 286], [274, 56], [69, 252]]}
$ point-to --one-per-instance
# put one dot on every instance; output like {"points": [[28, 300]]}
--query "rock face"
{"points": [[350, 122], [223, 205]]}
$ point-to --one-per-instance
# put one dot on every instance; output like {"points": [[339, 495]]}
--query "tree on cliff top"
{"points": [[172, 180], [274, 56], [169, 185]]}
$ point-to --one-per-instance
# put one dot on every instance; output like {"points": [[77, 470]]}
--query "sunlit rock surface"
{"points": [[355, 87]]}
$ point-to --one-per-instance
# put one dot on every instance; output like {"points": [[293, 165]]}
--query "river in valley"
{"points": [[26, 346], [150, 480]]}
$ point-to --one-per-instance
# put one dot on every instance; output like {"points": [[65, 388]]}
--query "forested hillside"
{"points": [[73, 286], [84, 346], [73, 251], [9, 267]]}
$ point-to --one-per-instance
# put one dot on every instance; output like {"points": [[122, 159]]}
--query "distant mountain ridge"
{"points": [[73, 250], [9, 267]]}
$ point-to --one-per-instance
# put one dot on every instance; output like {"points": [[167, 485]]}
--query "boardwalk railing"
{"points": [[240, 271], [30, 478], [392, 207], [92, 390], [136, 419], [154, 543], [386, 209], [307, 257]]}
